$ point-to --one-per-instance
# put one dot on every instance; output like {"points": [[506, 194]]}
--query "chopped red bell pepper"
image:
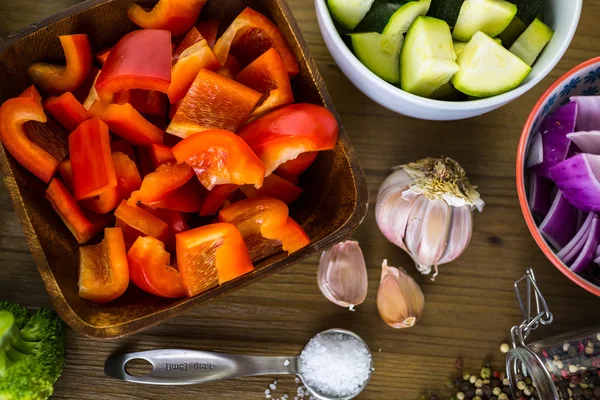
{"points": [[209, 29], [103, 268], [82, 93], [136, 222], [264, 224], [66, 110], [211, 255], [187, 198], [216, 197], [65, 169], [14, 113], [268, 76], [287, 132], [213, 102], [276, 187], [144, 163], [290, 170], [173, 111], [128, 123], [175, 220], [190, 39], [147, 102], [56, 80], [82, 226], [176, 16], [92, 95], [249, 36], [231, 68], [124, 147], [140, 60], [101, 56], [150, 269], [219, 157], [93, 166], [184, 72], [164, 180], [160, 154]]}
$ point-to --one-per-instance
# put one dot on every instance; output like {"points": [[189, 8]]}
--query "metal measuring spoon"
{"points": [[189, 367]]}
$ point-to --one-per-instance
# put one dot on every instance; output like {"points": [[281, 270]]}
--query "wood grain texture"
{"points": [[469, 309]]}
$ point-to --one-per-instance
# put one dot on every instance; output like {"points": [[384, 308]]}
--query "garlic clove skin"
{"points": [[460, 234], [400, 300], [342, 274]]}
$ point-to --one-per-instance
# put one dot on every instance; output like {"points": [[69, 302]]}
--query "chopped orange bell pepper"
{"points": [[160, 154], [264, 224], [136, 222], [101, 56], [213, 102], [150, 269], [187, 198], [164, 180], [147, 102], [174, 219], [216, 197], [14, 113], [268, 76], [93, 166], [190, 39], [103, 268], [209, 30], [56, 80], [191, 61], [82, 226], [211, 255], [276, 187], [144, 163], [219, 157], [66, 110], [140, 60], [128, 123], [65, 169], [287, 132], [177, 16], [290, 170], [231, 68], [249, 36], [124, 147]]}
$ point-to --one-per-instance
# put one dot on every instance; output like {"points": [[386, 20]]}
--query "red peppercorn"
{"points": [[596, 362], [581, 347], [523, 398], [545, 353], [496, 374], [565, 374]]}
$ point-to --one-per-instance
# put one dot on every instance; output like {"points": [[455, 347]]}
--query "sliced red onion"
{"points": [[536, 152], [554, 129], [581, 216], [588, 115], [540, 194], [588, 142], [588, 251], [560, 225], [570, 251], [578, 178], [597, 252]]}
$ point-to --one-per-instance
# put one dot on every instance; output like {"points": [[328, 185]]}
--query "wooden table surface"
{"points": [[469, 309]]}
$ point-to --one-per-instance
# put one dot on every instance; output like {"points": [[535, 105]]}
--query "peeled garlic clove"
{"points": [[342, 274], [400, 300]]}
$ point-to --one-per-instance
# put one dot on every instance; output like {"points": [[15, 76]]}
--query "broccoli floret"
{"points": [[32, 352]]}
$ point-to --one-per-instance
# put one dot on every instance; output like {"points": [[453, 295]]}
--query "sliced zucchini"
{"points": [[529, 10], [402, 19], [427, 57], [349, 12], [446, 10], [378, 16], [378, 54], [488, 16], [512, 31], [460, 46], [531, 43], [446, 92], [488, 69]]}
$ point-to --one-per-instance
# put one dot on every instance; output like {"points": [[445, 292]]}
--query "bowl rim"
{"points": [[442, 105], [520, 176]]}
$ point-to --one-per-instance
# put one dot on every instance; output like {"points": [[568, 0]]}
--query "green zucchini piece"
{"points": [[460, 46], [529, 10], [427, 58], [488, 16], [446, 10], [488, 69], [402, 19], [378, 16], [379, 55], [349, 12], [512, 31], [531, 43], [446, 92]]}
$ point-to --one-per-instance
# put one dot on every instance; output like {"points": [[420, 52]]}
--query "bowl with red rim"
{"points": [[583, 80]]}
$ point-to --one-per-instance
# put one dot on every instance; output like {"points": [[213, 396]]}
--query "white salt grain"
{"points": [[335, 364], [286, 363], [273, 386]]}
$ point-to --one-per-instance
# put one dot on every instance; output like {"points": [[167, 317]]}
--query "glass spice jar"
{"points": [[565, 367]]}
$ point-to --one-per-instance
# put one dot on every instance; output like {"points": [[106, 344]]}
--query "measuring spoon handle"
{"points": [[187, 367]]}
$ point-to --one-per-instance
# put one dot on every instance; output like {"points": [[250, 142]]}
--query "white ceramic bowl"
{"points": [[561, 15]]}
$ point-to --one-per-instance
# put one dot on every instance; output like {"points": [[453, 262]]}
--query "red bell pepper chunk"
{"points": [[144, 163], [209, 29], [103, 268], [264, 224], [216, 197], [268, 76], [211, 255], [101, 56], [56, 80], [177, 16], [150, 269], [249, 36], [190, 39], [187, 198], [213, 102], [124, 147], [160, 154], [128, 123], [276, 187], [66, 110], [92, 95], [93, 166], [137, 222], [287, 132], [147, 102], [82, 226], [164, 180], [14, 113], [185, 70], [174, 219], [231, 68], [219, 157], [140, 60], [290, 170]]}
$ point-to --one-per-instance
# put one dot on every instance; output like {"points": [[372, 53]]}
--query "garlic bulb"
{"points": [[400, 300], [342, 274], [425, 208]]}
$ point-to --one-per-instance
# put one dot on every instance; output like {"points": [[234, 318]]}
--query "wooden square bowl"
{"points": [[332, 206]]}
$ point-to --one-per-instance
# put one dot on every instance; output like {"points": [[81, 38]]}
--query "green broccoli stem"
{"points": [[12, 346]]}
